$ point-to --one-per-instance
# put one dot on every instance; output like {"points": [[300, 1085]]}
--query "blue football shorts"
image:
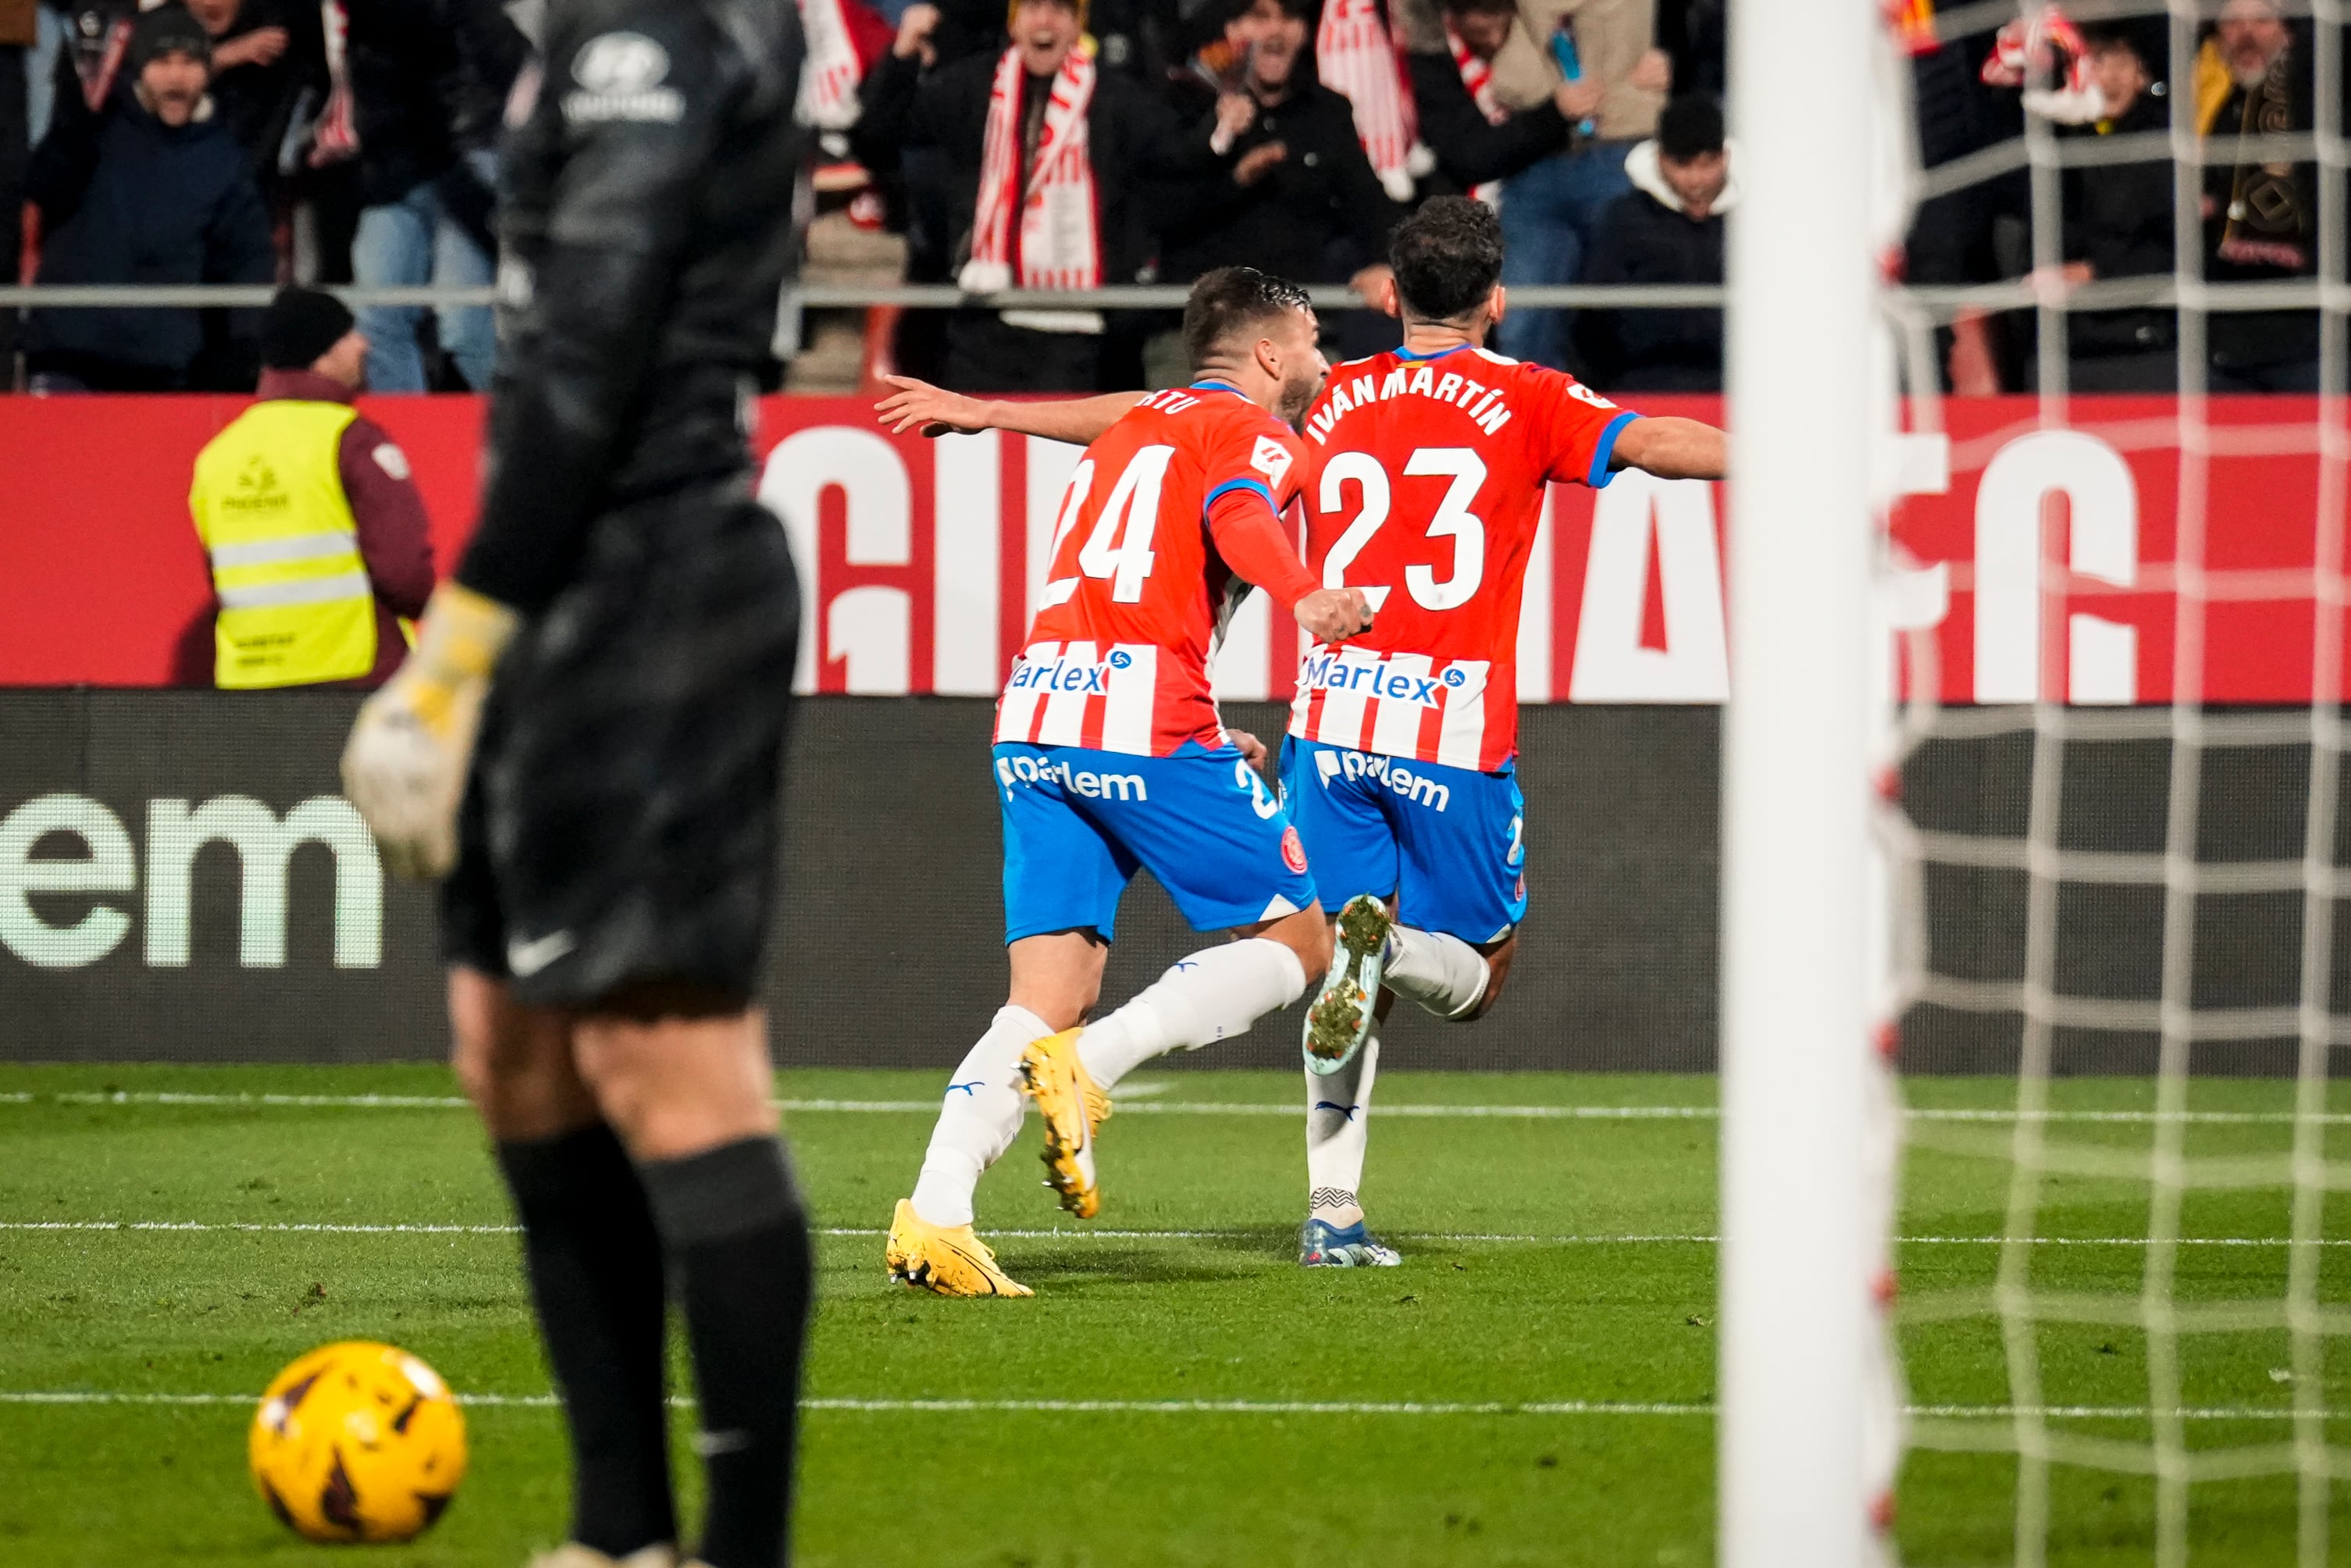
{"points": [[1449, 842], [1078, 822]]}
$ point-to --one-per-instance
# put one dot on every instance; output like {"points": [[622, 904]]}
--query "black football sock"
{"points": [[734, 1228], [596, 1275]]}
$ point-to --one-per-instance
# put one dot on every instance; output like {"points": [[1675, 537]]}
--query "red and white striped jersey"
{"points": [[1137, 591], [1425, 490]]}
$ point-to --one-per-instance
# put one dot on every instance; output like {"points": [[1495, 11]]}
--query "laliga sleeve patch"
{"points": [[1293, 851], [1270, 458], [1583, 393]]}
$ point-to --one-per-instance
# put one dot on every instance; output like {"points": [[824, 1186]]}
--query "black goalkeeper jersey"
{"points": [[645, 231]]}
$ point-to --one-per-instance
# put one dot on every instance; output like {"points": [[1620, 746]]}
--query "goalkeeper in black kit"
{"points": [[586, 745]]}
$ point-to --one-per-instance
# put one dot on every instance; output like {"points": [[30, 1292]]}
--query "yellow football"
{"points": [[358, 1441]]}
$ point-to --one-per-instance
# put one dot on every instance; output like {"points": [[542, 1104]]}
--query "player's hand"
{"points": [[1335, 614], [1258, 163], [1579, 100], [936, 411], [405, 765], [1252, 749]]}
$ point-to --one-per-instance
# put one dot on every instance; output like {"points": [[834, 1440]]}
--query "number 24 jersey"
{"points": [[1425, 489], [1136, 593]]}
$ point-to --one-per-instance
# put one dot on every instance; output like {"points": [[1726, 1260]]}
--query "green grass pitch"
{"points": [[1558, 1261]]}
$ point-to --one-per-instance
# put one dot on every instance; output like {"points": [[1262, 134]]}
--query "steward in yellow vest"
{"points": [[316, 534]]}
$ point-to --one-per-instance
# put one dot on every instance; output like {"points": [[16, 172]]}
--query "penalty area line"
{"points": [[883, 1406]]}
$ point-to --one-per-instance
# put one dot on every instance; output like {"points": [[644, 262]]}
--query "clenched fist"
{"points": [[1335, 614]]}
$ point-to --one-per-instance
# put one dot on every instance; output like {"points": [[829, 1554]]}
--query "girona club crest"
{"points": [[1293, 852]]}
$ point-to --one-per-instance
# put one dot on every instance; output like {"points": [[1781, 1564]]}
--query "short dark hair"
{"points": [[1478, 7], [1689, 127], [1228, 301], [1447, 257], [2100, 35], [1232, 11]]}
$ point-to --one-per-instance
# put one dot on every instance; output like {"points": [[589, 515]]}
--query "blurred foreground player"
{"points": [[622, 631], [1110, 756]]}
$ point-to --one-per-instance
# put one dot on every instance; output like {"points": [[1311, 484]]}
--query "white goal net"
{"points": [[2120, 838]]}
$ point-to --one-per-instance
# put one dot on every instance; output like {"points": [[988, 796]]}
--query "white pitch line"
{"points": [[1243, 1406], [1136, 1106], [1105, 1234]]}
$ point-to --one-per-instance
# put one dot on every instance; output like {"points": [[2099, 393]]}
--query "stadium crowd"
{"points": [[1067, 144]]}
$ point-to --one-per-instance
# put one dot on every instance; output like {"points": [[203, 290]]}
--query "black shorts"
{"points": [[620, 823]]}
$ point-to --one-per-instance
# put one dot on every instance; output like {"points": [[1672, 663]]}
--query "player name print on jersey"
{"points": [[1135, 591], [1424, 491]]}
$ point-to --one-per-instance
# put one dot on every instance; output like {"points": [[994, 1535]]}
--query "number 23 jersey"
{"points": [[1425, 489], [1136, 592]]}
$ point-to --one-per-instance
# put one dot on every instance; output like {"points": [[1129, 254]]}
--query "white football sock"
{"points": [[1338, 1125], [979, 1118], [1443, 974], [1215, 994]]}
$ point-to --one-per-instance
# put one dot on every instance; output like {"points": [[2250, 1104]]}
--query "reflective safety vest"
{"points": [[295, 606]]}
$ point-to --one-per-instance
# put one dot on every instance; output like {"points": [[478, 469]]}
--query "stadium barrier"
{"points": [[179, 879]]}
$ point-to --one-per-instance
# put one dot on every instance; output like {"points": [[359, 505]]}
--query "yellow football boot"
{"points": [[1051, 1074], [945, 1259]]}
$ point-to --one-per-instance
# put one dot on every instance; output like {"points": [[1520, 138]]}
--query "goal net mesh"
{"points": [[2121, 1297]]}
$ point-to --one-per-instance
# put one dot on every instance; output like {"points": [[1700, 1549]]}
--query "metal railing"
{"points": [[833, 296], [1939, 303]]}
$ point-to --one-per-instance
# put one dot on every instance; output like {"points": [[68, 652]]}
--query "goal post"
{"points": [[1795, 1312]]}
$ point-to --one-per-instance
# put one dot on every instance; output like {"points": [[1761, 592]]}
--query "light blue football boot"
{"points": [[1322, 1245]]}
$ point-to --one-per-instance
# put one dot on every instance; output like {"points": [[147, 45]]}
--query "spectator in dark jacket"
{"points": [[18, 31], [973, 132], [1296, 195], [2255, 77], [2118, 223], [1668, 229], [423, 75], [152, 189], [1477, 140], [266, 54]]}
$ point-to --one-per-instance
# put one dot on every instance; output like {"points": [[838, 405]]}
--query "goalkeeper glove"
{"points": [[405, 765]]}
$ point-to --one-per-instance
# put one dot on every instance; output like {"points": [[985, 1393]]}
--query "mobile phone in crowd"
{"points": [[1571, 66]]}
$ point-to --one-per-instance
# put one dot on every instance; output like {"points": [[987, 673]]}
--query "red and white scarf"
{"points": [[1060, 243], [335, 135], [828, 97], [1477, 76], [1355, 57]]}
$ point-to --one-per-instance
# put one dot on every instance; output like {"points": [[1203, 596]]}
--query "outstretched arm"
{"points": [[1672, 449], [937, 412]]}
